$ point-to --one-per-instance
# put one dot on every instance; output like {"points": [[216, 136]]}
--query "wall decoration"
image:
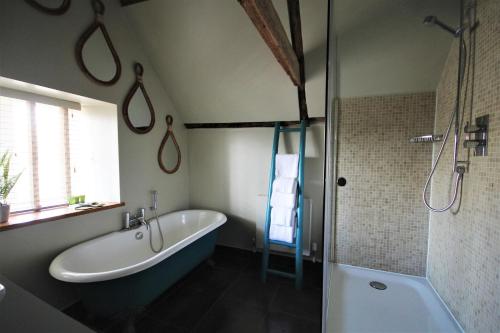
{"points": [[61, 9], [169, 133], [95, 53], [138, 111]]}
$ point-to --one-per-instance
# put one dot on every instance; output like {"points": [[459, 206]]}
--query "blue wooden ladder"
{"points": [[298, 275]]}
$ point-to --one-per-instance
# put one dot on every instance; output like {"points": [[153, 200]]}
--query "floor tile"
{"points": [[253, 292], [276, 322], [305, 303], [78, 312], [151, 325], [185, 308], [209, 279], [230, 316], [230, 258]]}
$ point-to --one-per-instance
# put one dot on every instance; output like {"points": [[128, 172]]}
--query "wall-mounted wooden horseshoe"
{"points": [[98, 7], [140, 128], [169, 133], [63, 7]]}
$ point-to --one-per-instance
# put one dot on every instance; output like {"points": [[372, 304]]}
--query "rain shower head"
{"points": [[433, 20]]}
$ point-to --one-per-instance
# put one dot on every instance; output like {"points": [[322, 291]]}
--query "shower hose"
{"points": [[458, 171], [151, 233]]}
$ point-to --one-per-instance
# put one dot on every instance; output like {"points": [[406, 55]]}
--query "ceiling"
{"points": [[216, 67], [383, 47]]}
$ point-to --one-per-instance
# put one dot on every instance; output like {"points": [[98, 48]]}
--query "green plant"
{"points": [[6, 183]]}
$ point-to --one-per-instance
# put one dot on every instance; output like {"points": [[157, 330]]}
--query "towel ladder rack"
{"points": [[297, 245]]}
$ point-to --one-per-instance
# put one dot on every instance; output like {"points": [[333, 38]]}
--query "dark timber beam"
{"points": [[312, 120], [130, 2], [296, 34], [266, 20]]}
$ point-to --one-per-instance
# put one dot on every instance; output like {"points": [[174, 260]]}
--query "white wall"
{"points": [[229, 168], [39, 49]]}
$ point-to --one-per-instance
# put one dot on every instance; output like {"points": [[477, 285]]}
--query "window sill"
{"points": [[23, 220]]}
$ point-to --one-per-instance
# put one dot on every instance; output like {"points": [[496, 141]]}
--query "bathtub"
{"points": [[118, 271]]}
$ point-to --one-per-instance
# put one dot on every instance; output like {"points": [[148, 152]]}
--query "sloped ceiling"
{"points": [[383, 47], [216, 67]]}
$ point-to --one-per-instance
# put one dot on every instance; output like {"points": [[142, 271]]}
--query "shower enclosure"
{"points": [[399, 127]]}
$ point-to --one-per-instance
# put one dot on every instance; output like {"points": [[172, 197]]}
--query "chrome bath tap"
{"points": [[136, 220]]}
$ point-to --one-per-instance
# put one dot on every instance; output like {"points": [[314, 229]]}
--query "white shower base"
{"points": [[409, 304]]}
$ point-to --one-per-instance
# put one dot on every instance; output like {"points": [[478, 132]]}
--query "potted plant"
{"points": [[6, 185]]}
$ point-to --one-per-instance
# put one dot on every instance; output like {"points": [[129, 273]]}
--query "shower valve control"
{"points": [[477, 136]]}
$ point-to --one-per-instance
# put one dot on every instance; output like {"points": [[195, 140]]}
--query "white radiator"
{"points": [[261, 219]]}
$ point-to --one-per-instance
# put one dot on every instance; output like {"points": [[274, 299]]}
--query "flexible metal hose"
{"points": [[433, 169], [454, 116], [151, 233]]}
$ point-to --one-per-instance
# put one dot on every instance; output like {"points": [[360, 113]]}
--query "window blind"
{"points": [[37, 135]]}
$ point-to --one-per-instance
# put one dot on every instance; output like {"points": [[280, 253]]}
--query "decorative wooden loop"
{"points": [[139, 71], [99, 8], [63, 7], [169, 133]]}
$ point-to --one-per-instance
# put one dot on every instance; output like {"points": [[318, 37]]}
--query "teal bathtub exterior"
{"points": [[133, 292]]}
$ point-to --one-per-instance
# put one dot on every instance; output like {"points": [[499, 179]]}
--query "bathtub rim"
{"points": [[57, 271]]}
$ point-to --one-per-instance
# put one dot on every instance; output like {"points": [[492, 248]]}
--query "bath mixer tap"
{"points": [[136, 220]]}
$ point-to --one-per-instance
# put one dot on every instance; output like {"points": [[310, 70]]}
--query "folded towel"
{"points": [[282, 233], [283, 216], [285, 200], [287, 165], [285, 185]]}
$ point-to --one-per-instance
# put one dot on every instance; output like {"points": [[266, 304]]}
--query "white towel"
{"points": [[283, 216], [285, 200], [285, 185], [282, 233], [287, 165]]}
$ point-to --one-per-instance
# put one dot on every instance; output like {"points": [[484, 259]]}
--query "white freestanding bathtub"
{"points": [[119, 270]]}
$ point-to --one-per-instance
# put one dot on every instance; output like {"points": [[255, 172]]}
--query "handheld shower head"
{"points": [[154, 200], [433, 20]]}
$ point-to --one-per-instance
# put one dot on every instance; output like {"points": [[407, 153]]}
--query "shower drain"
{"points": [[378, 285]]}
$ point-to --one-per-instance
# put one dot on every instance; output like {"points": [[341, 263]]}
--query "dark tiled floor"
{"points": [[226, 295]]}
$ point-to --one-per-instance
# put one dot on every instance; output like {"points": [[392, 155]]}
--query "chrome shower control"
{"points": [[474, 143], [477, 136]]}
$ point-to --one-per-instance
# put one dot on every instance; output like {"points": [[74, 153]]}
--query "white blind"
{"points": [[37, 136]]}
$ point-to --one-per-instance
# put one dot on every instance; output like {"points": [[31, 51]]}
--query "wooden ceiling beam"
{"points": [[130, 2], [312, 120], [296, 35], [266, 20]]}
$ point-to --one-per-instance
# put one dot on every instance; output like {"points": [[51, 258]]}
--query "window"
{"points": [[63, 144], [37, 134]]}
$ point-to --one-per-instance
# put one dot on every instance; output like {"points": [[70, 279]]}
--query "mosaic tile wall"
{"points": [[464, 248], [381, 221]]}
